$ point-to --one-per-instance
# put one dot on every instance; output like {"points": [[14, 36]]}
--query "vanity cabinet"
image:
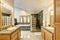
{"points": [[13, 36], [46, 34], [18, 34], [42, 32]]}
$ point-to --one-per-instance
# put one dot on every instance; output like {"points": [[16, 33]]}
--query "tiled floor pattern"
{"points": [[27, 35]]}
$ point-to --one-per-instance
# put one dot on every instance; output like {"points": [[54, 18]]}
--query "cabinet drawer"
{"points": [[19, 34]]}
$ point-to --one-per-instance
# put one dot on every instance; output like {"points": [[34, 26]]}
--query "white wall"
{"points": [[16, 14]]}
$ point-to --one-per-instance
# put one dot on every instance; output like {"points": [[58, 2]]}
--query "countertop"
{"points": [[8, 31], [49, 29]]}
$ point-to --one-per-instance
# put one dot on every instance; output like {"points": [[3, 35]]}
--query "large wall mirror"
{"points": [[52, 18], [24, 19], [49, 17], [6, 17]]}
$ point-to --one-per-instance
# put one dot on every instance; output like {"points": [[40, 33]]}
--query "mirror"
{"points": [[52, 18], [6, 16], [49, 17]]}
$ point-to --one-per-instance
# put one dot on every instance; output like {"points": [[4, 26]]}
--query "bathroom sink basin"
{"points": [[49, 28], [11, 28]]}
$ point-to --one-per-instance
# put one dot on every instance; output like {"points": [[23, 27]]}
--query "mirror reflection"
{"points": [[6, 17]]}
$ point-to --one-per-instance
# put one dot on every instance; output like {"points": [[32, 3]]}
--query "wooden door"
{"points": [[57, 19]]}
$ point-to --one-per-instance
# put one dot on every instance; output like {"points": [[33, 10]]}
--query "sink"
{"points": [[49, 28], [11, 28]]}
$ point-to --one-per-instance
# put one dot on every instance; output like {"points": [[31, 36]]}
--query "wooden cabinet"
{"points": [[13, 36], [4, 37], [42, 32], [0, 16], [18, 34], [46, 34]]}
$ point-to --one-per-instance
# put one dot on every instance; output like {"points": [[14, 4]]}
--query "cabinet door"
{"points": [[18, 34], [14, 35], [42, 32], [48, 36], [14, 38]]}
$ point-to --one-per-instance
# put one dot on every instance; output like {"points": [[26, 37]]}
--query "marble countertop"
{"points": [[9, 30], [50, 29]]}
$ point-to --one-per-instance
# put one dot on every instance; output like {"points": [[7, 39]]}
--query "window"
{"points": [[28, 19], [24, 19]]}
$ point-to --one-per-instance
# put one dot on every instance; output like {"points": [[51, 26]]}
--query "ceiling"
{"points": [[10, 2], [5, 10], [32, 6]]}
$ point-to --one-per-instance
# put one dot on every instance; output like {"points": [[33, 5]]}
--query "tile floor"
{"points": [[27, 35]]}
